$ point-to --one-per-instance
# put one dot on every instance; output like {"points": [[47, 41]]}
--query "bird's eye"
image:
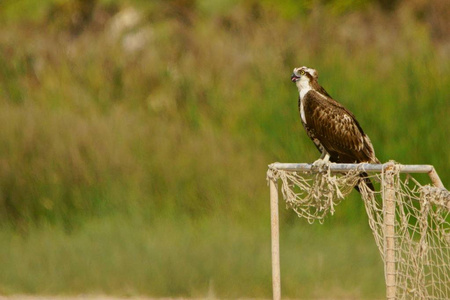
{"points": [[302, 72]]}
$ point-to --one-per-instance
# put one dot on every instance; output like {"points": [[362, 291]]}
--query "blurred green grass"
{"points": [[208, 257], [136, 137]]}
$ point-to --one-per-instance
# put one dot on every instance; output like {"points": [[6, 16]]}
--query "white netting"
{"points": [[419, 258]]}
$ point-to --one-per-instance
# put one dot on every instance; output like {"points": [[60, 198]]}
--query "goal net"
{"points": [[410, 221]]}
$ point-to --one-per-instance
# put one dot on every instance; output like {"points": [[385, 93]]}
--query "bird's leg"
{"points": [[322, 162]]}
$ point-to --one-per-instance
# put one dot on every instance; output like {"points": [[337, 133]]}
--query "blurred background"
{"points": [[136, 136]]}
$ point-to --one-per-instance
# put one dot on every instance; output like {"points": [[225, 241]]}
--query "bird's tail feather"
{"points": [[367, 181]]}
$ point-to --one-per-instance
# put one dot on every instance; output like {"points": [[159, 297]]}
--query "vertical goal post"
{"points": [[388, 197]]}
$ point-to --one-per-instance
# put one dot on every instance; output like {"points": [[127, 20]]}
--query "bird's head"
{"points": [[304, 78], [304, 75]]}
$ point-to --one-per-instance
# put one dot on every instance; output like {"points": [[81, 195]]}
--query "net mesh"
{"points": [[415, 248]]}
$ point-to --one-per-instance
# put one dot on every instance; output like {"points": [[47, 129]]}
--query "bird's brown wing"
{"points": [[337, 129]]}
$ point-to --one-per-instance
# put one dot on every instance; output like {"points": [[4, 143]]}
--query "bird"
{"points": [[333, 129]]}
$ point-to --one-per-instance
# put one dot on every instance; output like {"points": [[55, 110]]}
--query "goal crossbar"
{"points": [[369, 168], [333, 167]]}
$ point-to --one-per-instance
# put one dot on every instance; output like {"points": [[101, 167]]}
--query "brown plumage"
{"points": [[333, 128]]}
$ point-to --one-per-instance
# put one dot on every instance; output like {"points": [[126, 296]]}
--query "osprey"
{"points": [[333, 128]]}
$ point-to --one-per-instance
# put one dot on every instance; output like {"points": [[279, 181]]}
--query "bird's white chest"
{"points": [[302, 111], [302, 93]]}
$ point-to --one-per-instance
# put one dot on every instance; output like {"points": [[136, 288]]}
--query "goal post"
{"points": [[275, 234], [418, 246]]}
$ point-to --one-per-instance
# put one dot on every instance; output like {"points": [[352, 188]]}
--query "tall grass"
{"points": [[128, 151]]}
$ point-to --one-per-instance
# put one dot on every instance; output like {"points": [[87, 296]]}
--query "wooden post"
{"points": [[389, 233], [435, 178], [275, 234]]}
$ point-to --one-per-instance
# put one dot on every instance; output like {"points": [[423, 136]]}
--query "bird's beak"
{"points": [[294, 77]]}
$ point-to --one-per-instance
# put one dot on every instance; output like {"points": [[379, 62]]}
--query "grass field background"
{"points": [[136, 136]]}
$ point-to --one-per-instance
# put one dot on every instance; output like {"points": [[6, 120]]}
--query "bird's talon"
{"points": [[320, 166]]}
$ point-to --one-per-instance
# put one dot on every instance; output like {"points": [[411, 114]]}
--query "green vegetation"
{"points": [[124, 256], [136, 137]]}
